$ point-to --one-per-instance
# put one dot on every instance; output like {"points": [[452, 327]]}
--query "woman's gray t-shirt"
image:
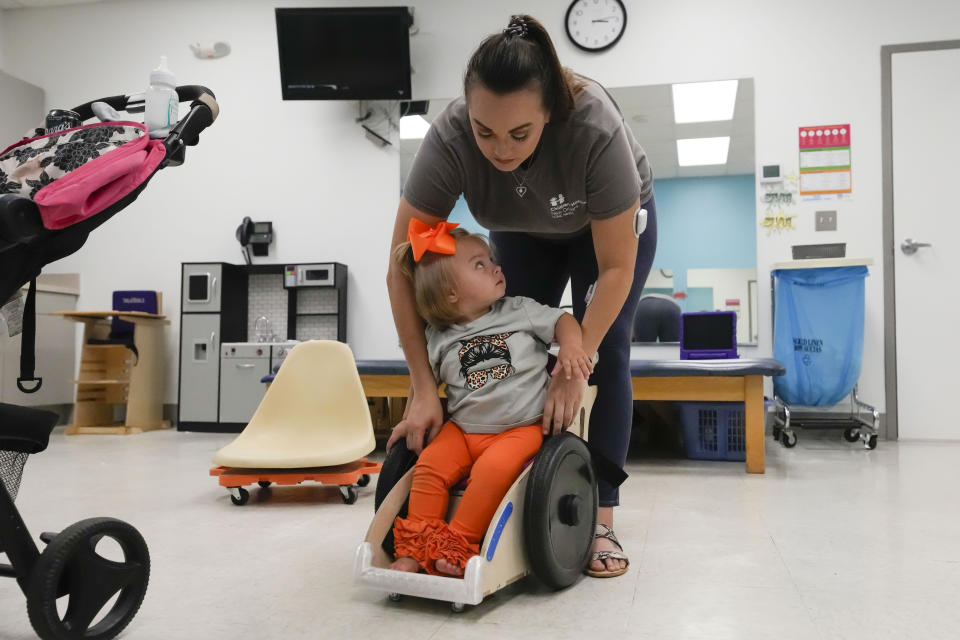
{"points": [[588, 167]]}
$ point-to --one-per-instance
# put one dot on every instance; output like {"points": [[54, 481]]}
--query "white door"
{"points": [[926, 138]]}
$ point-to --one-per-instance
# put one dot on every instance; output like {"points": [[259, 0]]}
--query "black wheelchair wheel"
{"points": [[399, 460], [560, 511], [71, 566]]}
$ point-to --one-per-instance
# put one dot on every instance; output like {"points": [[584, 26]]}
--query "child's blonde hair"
{"points": [[433, 279]]}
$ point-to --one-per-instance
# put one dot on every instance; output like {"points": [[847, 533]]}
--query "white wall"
{"points": [[332, 194]]}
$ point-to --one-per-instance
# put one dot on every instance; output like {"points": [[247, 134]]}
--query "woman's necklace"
{"points": [[521, 188]]}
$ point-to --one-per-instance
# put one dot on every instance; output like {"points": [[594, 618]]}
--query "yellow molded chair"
{"points": [[313, 424]]}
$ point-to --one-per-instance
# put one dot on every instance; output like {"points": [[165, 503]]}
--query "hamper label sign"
{"points": [[808, 345]]}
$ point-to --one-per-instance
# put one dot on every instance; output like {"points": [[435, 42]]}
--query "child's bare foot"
{"points": [[449, 569], [407, 564]]}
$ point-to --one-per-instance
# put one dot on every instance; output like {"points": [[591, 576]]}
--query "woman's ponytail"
{"points": [[521, 55]]}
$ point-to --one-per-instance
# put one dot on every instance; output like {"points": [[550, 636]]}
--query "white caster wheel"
{"points": [[239, 496], [348, 493]]}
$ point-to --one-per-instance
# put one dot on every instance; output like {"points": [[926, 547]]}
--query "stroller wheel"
{"points": [[72, 567], [364, 480], [560, 511], [851, 434], [872, 442]]}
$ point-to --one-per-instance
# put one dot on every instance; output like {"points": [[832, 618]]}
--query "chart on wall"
{"points": [[825, 162]]}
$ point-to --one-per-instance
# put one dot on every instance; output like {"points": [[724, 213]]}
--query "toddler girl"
{"points": [[491, 352]]}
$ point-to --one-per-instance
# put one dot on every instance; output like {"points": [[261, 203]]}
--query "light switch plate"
{"points": [[826, 221]]}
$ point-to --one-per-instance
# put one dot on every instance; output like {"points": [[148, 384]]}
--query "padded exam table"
{"points": [[735, 380]]}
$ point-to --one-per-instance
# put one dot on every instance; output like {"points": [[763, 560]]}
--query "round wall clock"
{"points": [[596, 25]]}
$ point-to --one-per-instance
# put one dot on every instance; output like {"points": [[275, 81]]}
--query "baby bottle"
{"points": [[162, 103]]}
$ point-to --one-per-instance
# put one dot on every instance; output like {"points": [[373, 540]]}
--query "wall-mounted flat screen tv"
{"points": [[350, 53]]}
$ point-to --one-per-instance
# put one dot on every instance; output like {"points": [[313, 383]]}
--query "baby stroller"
{"points": [[36, 229]]}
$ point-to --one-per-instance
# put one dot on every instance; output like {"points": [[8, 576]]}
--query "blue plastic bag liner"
{"points": [[818, 333]]}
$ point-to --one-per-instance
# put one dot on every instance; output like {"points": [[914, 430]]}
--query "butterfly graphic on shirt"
{"points": [[478, 352]]}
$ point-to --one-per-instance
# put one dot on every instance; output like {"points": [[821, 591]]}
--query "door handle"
{"points": [[213, 340], [213, 285], [909, 247], [245, 366]]}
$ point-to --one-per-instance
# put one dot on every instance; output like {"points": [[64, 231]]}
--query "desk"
{"points": [[739, 380], [110, 375]]}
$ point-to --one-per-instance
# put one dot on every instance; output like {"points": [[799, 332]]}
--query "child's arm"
{"points": [[571, 358]]}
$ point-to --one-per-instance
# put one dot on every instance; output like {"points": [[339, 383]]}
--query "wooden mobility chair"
{"points": [[312, 424], [544, 524]]}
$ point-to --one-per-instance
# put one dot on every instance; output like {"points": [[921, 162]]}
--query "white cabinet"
{"points": [[242, 366], [199, 367]]}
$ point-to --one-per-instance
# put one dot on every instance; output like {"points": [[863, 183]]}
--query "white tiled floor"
{"points": [[834, 542]]}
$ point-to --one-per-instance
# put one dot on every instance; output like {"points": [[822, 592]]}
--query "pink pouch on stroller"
{"points": [[74, 174]]}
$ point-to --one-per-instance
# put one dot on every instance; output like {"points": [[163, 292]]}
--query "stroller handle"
{"points": [[203, 111], [19, 218]]}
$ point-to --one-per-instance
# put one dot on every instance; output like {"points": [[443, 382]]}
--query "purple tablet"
{"points": [[708, 335]]}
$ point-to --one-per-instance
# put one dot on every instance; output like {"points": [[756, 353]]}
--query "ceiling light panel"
{"points": [[704, 101], [694, 152], [413, 127]]}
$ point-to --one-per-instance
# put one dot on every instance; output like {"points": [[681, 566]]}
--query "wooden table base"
{"points": [[745, 389]]}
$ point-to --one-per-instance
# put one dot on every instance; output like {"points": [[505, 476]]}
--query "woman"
{"points": [[545, 162]]}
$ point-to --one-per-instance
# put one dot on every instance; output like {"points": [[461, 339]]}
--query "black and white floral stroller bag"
{"points": [[56, 188]]}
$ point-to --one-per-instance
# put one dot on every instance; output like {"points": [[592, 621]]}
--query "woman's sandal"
{"points": [[603, 531]]}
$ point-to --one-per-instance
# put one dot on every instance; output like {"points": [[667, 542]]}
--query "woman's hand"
{"points": [[564, 396], [573, 361], [424, 416]]}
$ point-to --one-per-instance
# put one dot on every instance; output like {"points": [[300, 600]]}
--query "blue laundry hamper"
{"points": [[818, 333]]}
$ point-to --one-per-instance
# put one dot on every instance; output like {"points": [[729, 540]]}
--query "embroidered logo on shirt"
{"points": [[561, 208], [479, 351]]}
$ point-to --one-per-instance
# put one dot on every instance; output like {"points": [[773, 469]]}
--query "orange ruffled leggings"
{"points": [[491, 463]]}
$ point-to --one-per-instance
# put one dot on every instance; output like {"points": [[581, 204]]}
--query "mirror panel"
{"points": [[706, 214]]}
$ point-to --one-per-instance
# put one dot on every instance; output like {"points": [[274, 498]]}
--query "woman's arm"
{"points": [[616, 248], [423, 409], [572, 360]]}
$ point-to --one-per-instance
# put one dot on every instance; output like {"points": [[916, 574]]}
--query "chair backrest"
{"points": [[318, 389]]}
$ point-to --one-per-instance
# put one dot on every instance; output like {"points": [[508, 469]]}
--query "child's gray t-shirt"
{"points": [[495, 366], [588, 167]]}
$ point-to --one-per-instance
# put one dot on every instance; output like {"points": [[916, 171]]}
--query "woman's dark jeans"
{"points": [[539, 268]]}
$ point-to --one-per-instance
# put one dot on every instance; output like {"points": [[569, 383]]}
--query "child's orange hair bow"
{"points": [[425, 238]]}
